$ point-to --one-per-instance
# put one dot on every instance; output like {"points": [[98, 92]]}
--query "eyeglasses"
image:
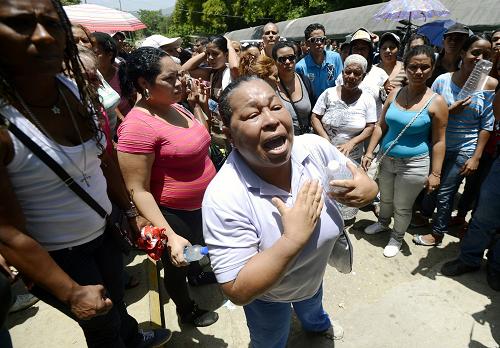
{"points": [[284, 59], [317, 40]]}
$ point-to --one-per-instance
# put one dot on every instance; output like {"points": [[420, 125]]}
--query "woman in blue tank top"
{"points": [[404, 170]]}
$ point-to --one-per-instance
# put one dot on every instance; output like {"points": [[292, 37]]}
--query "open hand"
{"points": [[300, 220]]}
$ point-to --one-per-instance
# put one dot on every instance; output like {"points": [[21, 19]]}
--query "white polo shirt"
{"points": [[239, 219]]}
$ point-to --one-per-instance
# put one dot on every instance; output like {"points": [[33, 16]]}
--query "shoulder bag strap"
{"points": [[54, 166], [406, 127]]}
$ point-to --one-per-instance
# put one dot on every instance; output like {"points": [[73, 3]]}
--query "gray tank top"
{"points": [[303, 107]]}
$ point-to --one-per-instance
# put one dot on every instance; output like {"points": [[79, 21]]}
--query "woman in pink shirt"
{"points": [[163, 154]]}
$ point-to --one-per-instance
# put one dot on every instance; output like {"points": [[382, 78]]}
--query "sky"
{"points": [[134, 5]]}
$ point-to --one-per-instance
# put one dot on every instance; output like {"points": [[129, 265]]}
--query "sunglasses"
{"points": [[284, 59], [270, 32], [317, 40]]}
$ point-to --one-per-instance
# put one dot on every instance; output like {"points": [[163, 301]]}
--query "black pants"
{"points": [[187, 224], [97, 262]]}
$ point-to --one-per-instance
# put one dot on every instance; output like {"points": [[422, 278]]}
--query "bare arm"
{"points": [[318, 127], [266, 268], [33, 261], [233, 60], [192, 66], [439, 112], [136, 169], [365, 134]]}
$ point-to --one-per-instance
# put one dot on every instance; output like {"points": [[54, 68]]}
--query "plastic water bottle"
{"points": [[477, 79], [195, 252], [337, 171]]}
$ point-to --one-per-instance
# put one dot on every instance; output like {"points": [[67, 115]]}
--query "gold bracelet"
{"points": [[370, 158], [436, 175]]}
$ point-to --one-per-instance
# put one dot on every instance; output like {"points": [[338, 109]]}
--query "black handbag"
{"points": [[115, 224]]}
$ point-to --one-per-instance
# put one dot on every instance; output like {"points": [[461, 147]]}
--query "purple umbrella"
{"points": [[398, 10], [434, 31]]}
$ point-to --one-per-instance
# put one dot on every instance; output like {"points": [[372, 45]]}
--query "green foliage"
{"points": [[205, 17], [70, 2], [154, 20]]}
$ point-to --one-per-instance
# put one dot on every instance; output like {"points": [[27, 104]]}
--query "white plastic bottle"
{"points": [[337, 171], [195, 252], [477, 79]]}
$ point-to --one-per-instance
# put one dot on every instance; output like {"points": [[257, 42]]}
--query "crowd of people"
{"points": [[227, 144]]}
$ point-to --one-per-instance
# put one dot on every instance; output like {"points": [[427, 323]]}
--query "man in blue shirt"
{"points": [[321, 67]]}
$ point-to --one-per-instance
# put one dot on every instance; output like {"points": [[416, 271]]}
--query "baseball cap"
{"points": [[362, 34], [158, 41], [390, 36], [457, 28]]}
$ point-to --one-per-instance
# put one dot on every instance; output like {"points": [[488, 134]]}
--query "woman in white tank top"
{"points": [[46, 231]]}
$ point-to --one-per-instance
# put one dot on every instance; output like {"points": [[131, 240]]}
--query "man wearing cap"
{"points": [[270, 35], [321, 67], [375, 78], [170, 45], [453, 40]]}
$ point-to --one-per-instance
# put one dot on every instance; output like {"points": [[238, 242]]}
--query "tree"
{"points": [[202, 17], [155, 21], [70, 2]]}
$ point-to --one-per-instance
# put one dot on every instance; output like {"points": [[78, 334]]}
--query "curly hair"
{"points": [[262, 66], [143, 62], [72, 69]]}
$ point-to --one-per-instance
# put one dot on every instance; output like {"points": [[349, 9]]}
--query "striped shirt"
{"points": [[182, 168], [463, 129]]}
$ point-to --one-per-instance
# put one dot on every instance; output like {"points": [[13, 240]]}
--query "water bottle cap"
{"points": [[204, 250]]}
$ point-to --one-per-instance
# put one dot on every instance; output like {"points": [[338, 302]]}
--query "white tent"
{"points": [[478, 15]]}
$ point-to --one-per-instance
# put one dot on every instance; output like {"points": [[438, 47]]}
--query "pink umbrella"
{"points": [[100, 18], [397, 10]]}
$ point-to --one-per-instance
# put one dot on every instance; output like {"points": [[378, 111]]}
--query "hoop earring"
{"points": [[146, 94]]}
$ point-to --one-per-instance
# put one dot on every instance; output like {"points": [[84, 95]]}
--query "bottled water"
{"points": [[195, 252], [337, 171], [477, 79]]}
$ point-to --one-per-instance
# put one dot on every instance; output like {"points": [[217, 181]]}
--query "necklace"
{"points": [[414, 98], [85, 177], [56, 110]]}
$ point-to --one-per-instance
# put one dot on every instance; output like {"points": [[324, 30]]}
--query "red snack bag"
{"points": [[153, 241]]}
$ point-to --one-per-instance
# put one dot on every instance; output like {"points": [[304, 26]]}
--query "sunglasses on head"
{"points": [[284, 59], [317, 40]]}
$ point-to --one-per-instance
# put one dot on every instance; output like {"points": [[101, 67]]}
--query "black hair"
{"points": [[471, 39], [370, 54], [202, 40], [494, 32], [219, 41], [143, 62], [416, 36], [73, 69], [312, 27], [107, 43], [283, 44], [418, 50], [225, 110]]}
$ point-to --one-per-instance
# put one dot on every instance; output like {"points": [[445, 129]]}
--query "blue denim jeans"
{"points": [[269, 322], [443, 198], [481, 234]]}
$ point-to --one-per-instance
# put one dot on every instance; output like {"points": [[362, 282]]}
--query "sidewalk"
{"points": [[398, 302]]}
